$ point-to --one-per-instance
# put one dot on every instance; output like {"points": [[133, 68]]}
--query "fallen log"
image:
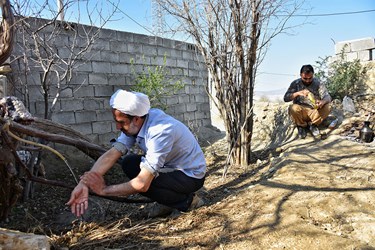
{"points": [[89, 148]]}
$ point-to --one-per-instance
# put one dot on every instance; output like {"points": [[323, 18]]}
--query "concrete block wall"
{"points": [[84, 103], [362, 49]]}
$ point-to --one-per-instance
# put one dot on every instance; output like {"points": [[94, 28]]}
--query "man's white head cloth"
{"points": [[130, 103]]}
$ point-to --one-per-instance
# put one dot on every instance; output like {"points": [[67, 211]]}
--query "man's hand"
{"points": [[79, 199], [94, 181], [320, 103], [303, 92]]}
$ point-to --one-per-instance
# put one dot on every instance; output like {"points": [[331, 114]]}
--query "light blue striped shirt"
{"points": [[168, 145]]}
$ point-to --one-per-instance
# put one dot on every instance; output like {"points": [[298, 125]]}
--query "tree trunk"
{"points": [[241, 134], [7, 31], [10, 186]]}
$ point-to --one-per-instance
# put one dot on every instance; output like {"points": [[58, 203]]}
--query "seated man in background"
{"points": [[310, 102], [169, 172]]}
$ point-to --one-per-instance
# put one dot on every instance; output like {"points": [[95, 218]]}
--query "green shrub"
{"points": [[156, 82], [341, 77]]}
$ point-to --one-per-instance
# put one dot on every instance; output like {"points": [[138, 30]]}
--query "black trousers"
{"points": [[174, 189]]}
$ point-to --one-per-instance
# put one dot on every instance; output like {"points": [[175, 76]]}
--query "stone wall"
{"points": [[369, 81], [106, 67]]}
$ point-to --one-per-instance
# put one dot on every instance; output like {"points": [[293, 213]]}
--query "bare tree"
{"points": [[233, 37], [41, 40], [51, 51]]}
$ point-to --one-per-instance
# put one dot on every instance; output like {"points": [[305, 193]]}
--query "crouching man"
{"points": [[169, 172], [310, 102]]}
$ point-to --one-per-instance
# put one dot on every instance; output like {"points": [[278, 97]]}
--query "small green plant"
{"points": [[342, 77], [156, 82]]}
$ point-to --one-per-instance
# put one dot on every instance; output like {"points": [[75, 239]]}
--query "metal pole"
{"points": [[60, 6]]}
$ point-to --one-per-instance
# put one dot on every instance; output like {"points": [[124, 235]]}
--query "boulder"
{"points": [[10, 239]]}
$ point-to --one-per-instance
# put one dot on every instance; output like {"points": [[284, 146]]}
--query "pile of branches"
{"points": [[16, 124]]}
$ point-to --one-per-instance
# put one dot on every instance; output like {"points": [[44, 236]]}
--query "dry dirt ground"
{"points": [[304, 194]]}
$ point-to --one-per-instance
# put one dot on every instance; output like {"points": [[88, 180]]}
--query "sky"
{"points": [[316, 40], [287, 53]]}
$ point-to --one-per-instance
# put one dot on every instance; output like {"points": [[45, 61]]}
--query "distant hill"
{"points": [[272, 95]]}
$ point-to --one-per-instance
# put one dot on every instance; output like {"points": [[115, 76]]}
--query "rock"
{"points": [[10, 239]]}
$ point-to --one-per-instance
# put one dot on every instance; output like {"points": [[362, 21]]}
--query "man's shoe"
{"points": [[302, 132], [159, 210], [314, 130], [196, 203]]}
